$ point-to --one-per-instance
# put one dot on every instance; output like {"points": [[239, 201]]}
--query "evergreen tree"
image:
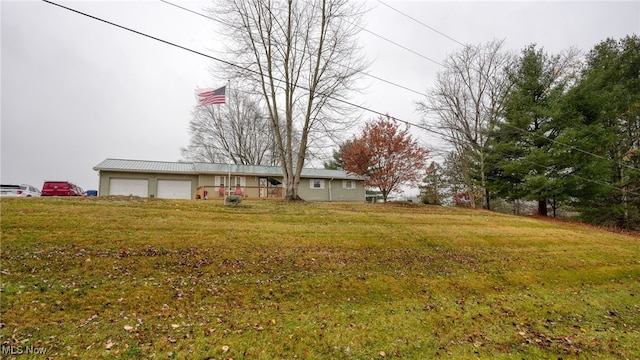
{"points": [[523, 163], [433, 185], [337, 163], [601, 131]]}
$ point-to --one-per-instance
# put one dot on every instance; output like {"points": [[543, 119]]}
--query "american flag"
{"points": [[210, 96]]}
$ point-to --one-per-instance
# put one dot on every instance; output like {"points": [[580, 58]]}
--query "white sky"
{"points": [[75, 91]]}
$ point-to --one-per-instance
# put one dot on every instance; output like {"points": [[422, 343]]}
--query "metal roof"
{"points": [[209, 168], [145, 166]]}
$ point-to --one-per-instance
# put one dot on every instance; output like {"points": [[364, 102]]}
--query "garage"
{"points": [[174, 189], [127, 187]]}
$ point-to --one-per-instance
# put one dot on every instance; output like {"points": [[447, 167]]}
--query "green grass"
{"points": [[136, 278]]}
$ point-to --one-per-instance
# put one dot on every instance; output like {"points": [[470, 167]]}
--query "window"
{"points": [[221, 181], [316, 183], [238, 181], [348, 184]]}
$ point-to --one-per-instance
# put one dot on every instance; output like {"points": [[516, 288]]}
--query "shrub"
{"points": [[232, 200]]}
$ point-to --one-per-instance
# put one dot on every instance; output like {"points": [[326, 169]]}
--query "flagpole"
{"points": [[229, 108]]}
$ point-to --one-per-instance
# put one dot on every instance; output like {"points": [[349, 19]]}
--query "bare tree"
{"points": [[240, 130], [302, 58], [465, 104]]}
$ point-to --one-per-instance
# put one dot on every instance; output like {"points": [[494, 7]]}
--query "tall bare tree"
{"points": [[302, 58], [239, 129], [465, 105]]}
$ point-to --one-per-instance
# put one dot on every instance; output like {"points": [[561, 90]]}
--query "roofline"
{"points": [[147, 171], [96, 168], [346, 176]]}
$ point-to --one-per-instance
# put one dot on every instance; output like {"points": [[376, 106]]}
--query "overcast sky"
{"points": [[76, 91]]}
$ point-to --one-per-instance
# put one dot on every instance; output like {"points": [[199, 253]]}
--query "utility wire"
{"points": [[362, 28], [400, 46], [570, 146], [227, 62], [422, 94], [418, 92], [420, 22], [195, 12], [345, 66], [192, 11], [336, 99], [506, 124]]}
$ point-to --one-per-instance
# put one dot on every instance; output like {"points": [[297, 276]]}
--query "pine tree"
{"points": [[601, 131], [522, 160]]}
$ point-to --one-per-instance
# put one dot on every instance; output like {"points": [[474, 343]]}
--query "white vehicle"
{"points": [[18, 191]]}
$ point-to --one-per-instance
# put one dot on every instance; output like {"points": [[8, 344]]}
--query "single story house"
{"points": [[194, 180]]}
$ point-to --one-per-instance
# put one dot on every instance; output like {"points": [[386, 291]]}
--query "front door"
{"points": [[262, 187]]}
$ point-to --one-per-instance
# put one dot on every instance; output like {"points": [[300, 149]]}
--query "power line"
{"points": [[570, 147], [509, 125], [400, 46], [417, 92], [421, 23], [348, 68], [195, 12], [224, 61], [335, 99], [345, 66], [145, 35]]}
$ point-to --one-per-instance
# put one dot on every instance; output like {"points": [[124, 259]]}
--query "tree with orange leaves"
{"points": [[386, 155]]}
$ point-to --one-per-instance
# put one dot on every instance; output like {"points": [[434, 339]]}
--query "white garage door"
{"points": [[135, 187], [174, 189]]}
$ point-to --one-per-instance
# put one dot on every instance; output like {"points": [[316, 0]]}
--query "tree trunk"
{"points": [[486, 194], [542, 207], [483, 182], [291, 189]]}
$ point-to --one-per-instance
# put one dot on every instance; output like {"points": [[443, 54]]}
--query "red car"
{"points": [[61, 188]]}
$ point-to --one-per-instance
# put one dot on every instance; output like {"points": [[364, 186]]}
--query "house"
{"points": [[194, 180]]}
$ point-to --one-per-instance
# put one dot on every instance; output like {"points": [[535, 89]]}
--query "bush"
{"points": [[232, 200]]}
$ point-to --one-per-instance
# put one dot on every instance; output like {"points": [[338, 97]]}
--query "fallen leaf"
{"points": [[109, 345], [128, 328], [383, 354]]}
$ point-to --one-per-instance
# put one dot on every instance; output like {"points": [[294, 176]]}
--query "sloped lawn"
{"points": [[135, 278]]}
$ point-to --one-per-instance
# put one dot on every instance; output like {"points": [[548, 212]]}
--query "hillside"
{"points": [[140, 278]]}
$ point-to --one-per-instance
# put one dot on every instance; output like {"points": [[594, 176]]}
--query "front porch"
{"points": [[247, 192]]}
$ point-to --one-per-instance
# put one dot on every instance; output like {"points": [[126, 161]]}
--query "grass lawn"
{"points": [[145, 278]]}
